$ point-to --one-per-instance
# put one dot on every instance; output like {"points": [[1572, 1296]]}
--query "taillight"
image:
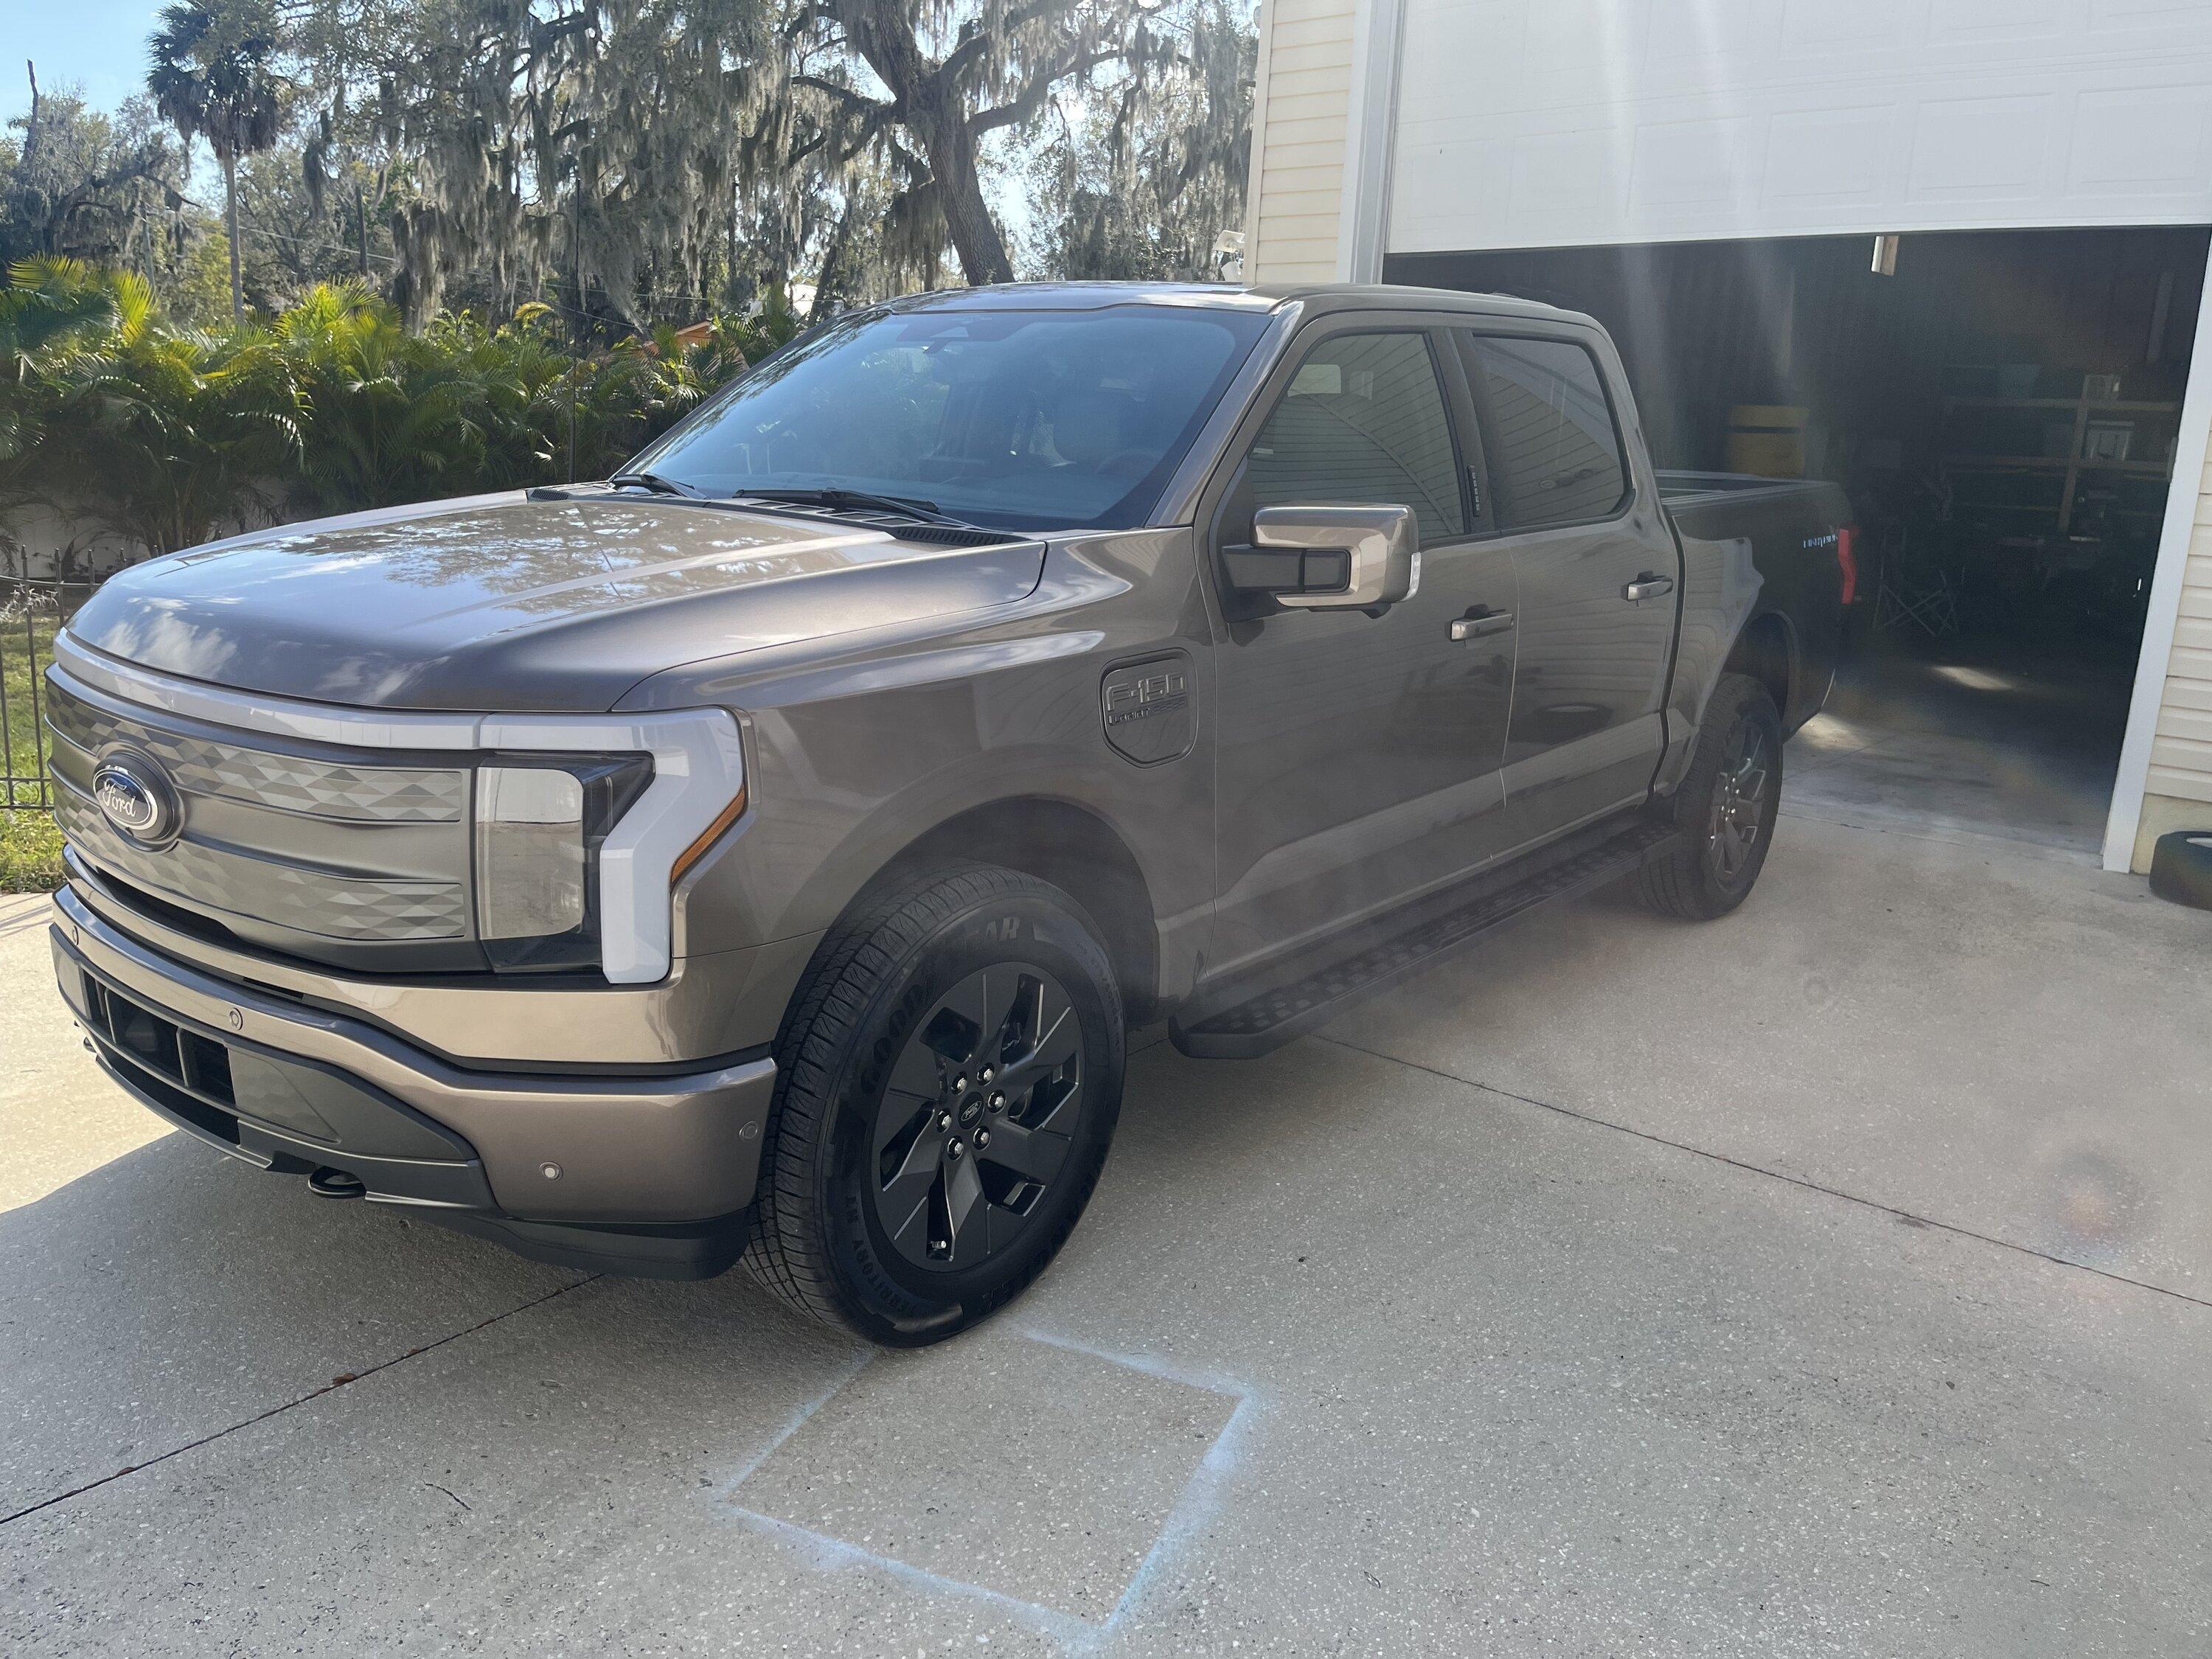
{"points": [[1847, 559]]}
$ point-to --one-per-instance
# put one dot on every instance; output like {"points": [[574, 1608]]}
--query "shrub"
{"points": [[169, 435]]}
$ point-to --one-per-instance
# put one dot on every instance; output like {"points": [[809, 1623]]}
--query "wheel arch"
{"points": [[1766, 649], [1077, 851]]}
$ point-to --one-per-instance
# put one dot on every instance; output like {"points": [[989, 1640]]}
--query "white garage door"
{"points": [[1561, 123]]}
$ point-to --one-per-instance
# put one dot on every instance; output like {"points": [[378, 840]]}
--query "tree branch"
{"points": [[958, 60], [859, 102], [83, 195], [1032, 97]]}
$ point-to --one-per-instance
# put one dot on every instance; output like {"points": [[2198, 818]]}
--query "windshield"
{"points": [[1048, 420]]}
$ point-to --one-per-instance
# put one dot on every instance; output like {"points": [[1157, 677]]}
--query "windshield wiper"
{"points": [[837, 498], [659, 485]]}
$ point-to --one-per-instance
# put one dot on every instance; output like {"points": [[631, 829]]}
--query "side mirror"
{"points": [[1329, 558]]}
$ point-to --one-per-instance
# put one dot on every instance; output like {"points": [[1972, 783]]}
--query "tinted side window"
{"points": [[1553, 451], [1362, 424]]}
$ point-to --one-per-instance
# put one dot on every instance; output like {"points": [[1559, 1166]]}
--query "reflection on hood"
{"points": [[502, 603]]}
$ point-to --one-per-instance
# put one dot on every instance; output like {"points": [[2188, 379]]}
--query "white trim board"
{"points": [[2175, 532], [1370, 126], [1257, 162]]}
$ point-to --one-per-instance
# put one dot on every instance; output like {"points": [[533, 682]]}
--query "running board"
{"points": [[1273, 1017]]}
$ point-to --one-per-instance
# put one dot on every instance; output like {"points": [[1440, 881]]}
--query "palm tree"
{"points": [[386, 417], [169, 438], [213, 77], [52, 308], [50, 300]]}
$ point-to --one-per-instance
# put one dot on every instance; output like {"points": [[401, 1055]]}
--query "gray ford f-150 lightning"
{"points": [[764, 852]]}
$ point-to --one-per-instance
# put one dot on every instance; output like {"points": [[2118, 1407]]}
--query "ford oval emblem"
{"points": [[135, 796]]}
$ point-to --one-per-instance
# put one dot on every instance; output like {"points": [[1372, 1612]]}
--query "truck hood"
{"points": [[504, 604]]}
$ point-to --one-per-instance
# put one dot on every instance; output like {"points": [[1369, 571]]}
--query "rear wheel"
{"points": [[950, 1076], [1725, 807]]}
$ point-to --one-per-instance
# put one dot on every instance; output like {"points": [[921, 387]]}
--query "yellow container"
{"points": [[1767, 440]]}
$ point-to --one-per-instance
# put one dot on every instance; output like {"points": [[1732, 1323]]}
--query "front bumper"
{"points": [[637, 1174]]}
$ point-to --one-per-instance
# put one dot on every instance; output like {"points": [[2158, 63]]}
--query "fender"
{"points": [[1721, 590], [856, 754]]}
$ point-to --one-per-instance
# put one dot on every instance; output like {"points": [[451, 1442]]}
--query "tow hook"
{"points": [[327, 1183]]}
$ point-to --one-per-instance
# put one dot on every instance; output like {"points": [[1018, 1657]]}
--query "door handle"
{"points": [[1475, 628], [1648, 586]]}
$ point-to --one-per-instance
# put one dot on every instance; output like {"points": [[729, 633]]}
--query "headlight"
{"points": [[538, 831], [659, 789]]}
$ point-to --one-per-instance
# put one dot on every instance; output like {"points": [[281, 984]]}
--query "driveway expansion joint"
{"points": [[1911, 1219], [344, 1379]]}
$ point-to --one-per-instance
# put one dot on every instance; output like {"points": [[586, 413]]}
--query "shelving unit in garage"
{"points": [[2146, 423]]}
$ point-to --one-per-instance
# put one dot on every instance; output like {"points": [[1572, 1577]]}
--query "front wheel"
{"points": [[1725, 807], [951, 1073]]}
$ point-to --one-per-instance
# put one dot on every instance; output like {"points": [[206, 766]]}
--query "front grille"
{"points": [[307, 900], [289, 846], [383, 795]]}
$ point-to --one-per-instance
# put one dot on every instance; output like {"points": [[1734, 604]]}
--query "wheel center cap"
{"points": [[971, 1109]]}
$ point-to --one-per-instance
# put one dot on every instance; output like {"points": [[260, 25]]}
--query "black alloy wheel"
{"points": [[977, 1117], [1740, 816], [1724, 810]]}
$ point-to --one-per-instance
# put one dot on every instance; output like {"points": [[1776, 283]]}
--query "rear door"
{"points": [[1597, 569], [1358, 754]]}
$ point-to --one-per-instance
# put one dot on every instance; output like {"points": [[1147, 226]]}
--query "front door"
{"points": [[1359, 755], [1596, 567]]}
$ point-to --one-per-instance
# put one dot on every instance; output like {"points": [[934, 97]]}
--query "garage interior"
{"points": [[2003, 408]]}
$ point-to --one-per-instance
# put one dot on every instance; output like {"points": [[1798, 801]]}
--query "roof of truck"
{"points": [[1224, 296]]}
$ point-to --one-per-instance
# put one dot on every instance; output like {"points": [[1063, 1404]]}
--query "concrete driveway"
{"points": [[1836, 1279]]}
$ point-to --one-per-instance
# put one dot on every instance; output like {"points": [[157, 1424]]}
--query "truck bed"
{"points": [[1684, 492]]}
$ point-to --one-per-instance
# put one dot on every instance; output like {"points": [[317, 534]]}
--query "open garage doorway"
{"points": [[2003, 407]]}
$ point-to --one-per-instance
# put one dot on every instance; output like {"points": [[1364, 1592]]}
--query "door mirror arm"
{"points": [[1328, 558]]}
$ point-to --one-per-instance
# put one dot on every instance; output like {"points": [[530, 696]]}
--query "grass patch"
{"points": [[30, 853], [30, 846]]}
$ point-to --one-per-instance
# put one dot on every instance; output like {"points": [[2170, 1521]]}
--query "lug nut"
{"points": [[955, 1149], [998, 1103], [982, 1138], [960, 1084], [985, 1074], [944, 1120]]}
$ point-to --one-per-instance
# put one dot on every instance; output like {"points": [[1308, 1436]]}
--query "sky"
{"points": [[98, 44]]}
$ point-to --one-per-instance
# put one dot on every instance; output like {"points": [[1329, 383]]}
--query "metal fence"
{"points": [[30, 613]]}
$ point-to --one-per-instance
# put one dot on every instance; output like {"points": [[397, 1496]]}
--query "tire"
{"points": [[2181, 867], [886, 1207], [1726, 826]]}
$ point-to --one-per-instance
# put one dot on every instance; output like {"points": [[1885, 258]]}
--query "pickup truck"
{"points": [[763, 854]]}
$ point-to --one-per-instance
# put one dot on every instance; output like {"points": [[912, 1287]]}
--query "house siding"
{"points": [[1304, 96], [2178, 788]]}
